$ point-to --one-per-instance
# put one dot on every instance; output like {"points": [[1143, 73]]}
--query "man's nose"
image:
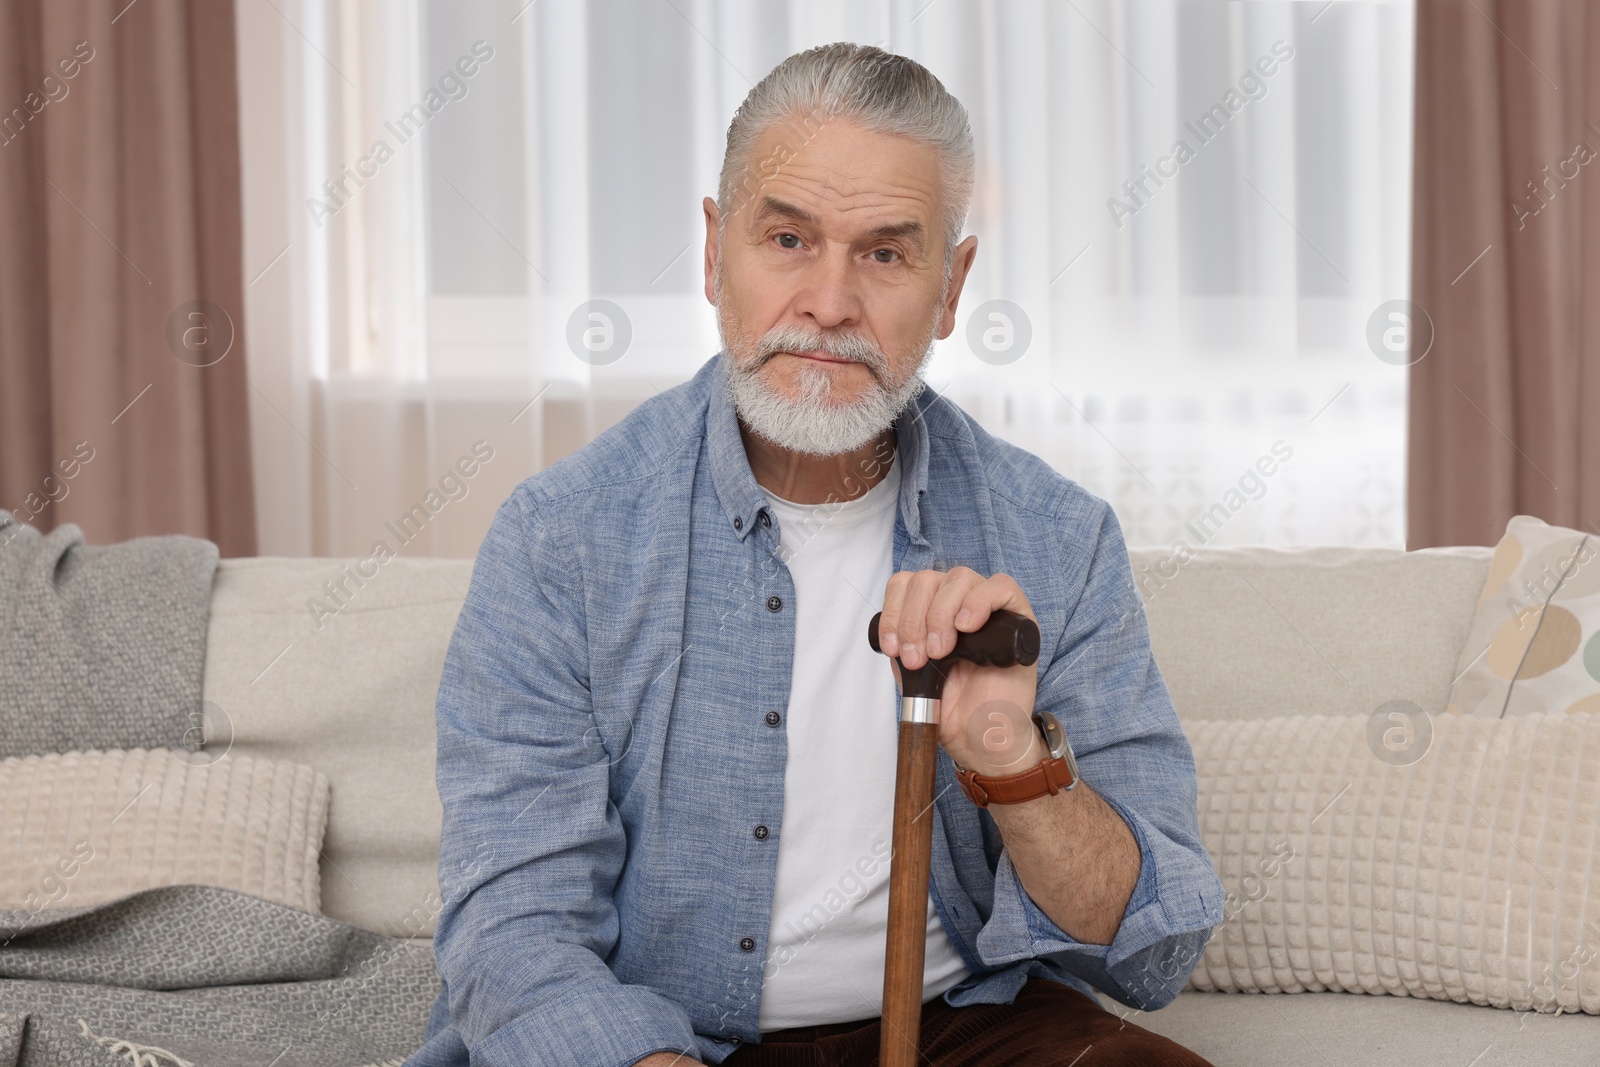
{"points": [[830, 293]]}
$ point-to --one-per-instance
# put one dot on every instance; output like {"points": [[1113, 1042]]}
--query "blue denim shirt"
{"points": [[606, 742]]}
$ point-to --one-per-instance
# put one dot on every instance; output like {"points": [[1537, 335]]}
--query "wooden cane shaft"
{"points": [[908, 895]]}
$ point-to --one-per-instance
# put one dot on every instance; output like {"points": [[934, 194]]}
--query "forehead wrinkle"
{"points": [[887, 165], [908, 187], [915, 231]]}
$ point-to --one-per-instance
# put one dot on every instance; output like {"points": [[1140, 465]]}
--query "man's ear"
{"points": [[960, 264], [709, 207]]}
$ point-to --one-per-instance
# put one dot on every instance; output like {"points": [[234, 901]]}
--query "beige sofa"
{"points": [[343, 677]]}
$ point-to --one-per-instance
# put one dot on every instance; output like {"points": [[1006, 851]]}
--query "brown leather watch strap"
{"points": [[1049, 776]]}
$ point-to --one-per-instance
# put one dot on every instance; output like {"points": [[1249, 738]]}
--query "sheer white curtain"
{"points": [[1189, 217]]}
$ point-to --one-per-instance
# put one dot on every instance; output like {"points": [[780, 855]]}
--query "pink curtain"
{"points": [[1505, 407], [123, 402]]}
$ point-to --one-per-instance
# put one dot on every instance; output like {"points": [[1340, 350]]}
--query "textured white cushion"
{"points": [[1468, 875], [82, 828]]}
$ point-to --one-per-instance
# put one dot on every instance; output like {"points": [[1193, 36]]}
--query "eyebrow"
{"points": [[910, 228]]}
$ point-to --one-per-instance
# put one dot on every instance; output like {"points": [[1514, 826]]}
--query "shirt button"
{"points": [[774, 603], [738, 522], [761, 833], [773, 718], [766, 520], [747, 943]]}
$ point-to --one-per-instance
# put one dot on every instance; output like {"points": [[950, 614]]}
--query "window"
{"points": [[1189, 215]]}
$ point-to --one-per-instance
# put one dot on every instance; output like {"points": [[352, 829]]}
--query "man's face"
{"points": [[830, 282]]}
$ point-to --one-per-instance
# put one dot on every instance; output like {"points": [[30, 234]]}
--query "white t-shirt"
{"points": [[830, 907]]}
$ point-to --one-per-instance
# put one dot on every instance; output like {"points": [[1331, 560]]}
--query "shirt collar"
{"points": [[740, 494]]}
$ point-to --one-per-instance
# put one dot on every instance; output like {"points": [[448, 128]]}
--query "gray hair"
{"points": [[884, 92]]}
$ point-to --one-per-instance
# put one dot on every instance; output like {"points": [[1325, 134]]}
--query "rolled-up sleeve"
{"points": [[1104, 686], [531, 845]]}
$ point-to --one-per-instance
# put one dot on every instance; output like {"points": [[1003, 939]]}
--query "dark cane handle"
{"points": [[1007, 639]]}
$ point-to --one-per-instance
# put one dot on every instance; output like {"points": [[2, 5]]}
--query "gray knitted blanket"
{"points": [[207, 977], [101, 646]]}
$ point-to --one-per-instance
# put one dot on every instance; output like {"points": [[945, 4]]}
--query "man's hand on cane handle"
{"points": [[985, 717]]}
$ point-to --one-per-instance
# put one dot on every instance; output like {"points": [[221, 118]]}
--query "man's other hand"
{"points": [[667, 1059]]}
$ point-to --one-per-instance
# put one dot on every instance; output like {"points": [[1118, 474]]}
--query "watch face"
{"points": [[1054, 736]]}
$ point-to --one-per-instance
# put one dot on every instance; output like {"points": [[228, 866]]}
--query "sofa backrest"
{"points": [[1250, 632], [335, 663], [344, 680]]}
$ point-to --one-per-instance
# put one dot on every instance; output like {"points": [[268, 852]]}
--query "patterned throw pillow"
{"points": [[84, 828], [1534, 645]]}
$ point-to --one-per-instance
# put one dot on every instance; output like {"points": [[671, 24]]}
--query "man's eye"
{"points": [[885, 255], [786, 237]]}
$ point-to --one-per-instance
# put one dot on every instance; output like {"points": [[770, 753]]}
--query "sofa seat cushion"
{"points": [[1357, 1030]]}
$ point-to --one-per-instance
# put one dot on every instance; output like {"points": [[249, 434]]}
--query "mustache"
{"points": [[847, 346], [850, 346]]}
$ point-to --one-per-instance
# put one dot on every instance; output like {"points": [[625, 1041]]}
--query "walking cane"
{"points": [[1007, 639]]}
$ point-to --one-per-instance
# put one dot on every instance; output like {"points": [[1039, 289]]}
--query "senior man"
{"points": [[666, 750]]}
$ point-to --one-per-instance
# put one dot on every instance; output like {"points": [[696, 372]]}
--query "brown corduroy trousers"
{"points": [[1048, 1025]]}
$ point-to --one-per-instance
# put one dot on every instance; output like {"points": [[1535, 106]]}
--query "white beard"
{"points": [[814, 424]]}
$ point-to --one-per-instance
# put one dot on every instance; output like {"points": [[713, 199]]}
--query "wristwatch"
{"points": [[1055, 772]]}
